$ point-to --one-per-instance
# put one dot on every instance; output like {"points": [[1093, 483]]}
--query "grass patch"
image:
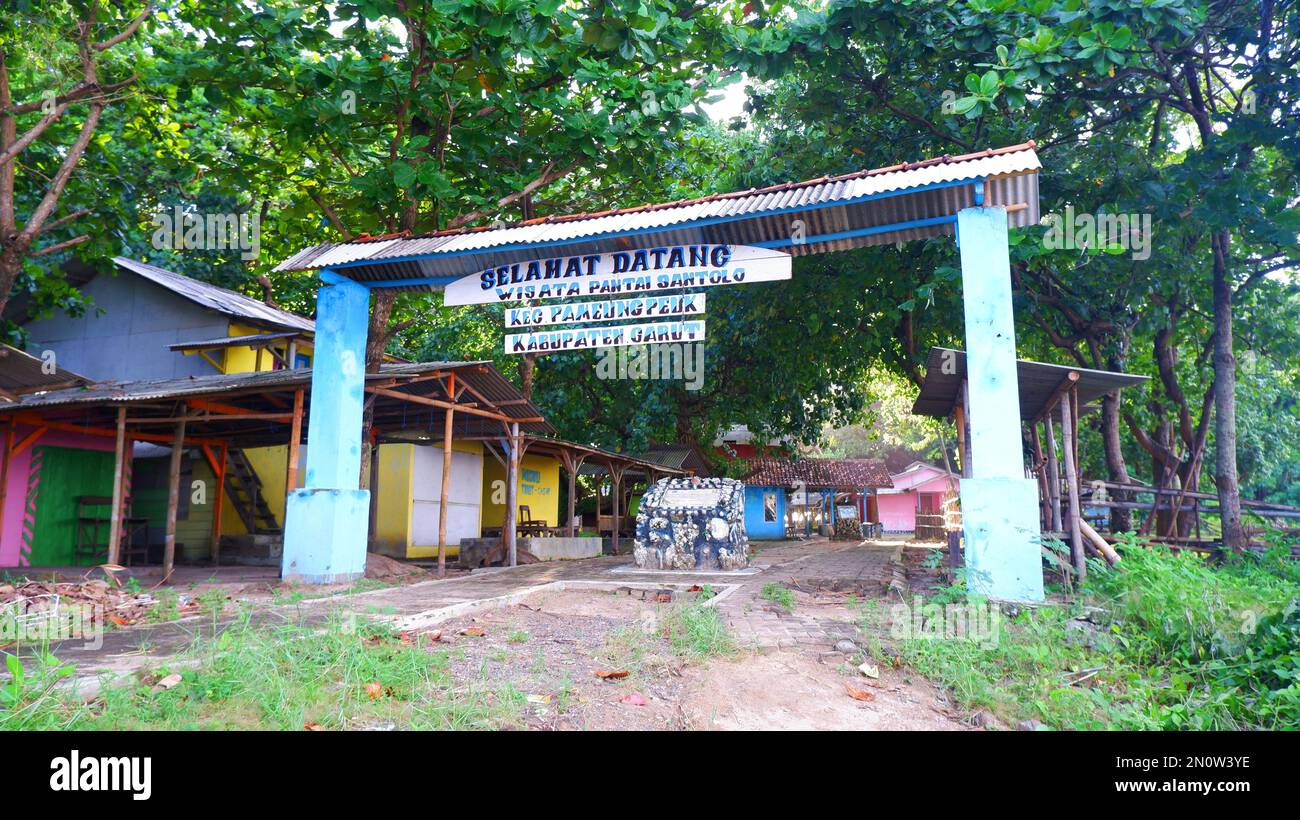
{"points": [[779, 595], [1166, 641], [342, 674], [698, 632]]}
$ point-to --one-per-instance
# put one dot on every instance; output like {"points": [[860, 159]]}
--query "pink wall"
{"points": [[898, 510], [13, 524]]}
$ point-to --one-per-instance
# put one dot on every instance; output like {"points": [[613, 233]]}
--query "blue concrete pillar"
{"points": [[326, 523], [999, 505]]}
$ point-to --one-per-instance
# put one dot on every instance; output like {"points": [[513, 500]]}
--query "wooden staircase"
{"points": [[244, 491]]}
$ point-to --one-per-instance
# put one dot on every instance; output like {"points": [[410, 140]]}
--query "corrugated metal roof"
{"points": [[22, 373], [479, 376], [212, 297], [928, 192], [1037, 382], [233, 341]]}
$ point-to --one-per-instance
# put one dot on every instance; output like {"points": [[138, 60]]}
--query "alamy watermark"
{"points": [[1101, 231], [184, 230], [977, 622], [670, 361]]}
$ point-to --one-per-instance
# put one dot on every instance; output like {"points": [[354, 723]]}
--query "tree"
{"points": [[52, 56]]}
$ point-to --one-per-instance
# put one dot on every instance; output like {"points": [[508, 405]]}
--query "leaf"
{"points": [[375, 690], [167, 682], [634, 699], [605, 674], [313, 727], [859, 694], [473, 632]]}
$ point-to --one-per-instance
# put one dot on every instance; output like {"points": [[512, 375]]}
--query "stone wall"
{"points": [[692, 524]]}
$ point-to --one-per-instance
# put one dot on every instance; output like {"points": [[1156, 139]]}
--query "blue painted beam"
{"points": [[999, 504], [327, 522]]}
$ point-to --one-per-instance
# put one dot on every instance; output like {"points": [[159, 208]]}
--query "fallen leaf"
{"points": [[858, 694], [869, 669], [473, 632], [539, 698], [610, 674], [313, 727], [633, 699], [167, 682], [375, 690], [119, 620], [695, 588]]}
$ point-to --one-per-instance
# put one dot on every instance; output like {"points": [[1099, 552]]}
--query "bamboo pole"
{"points": [[1053, 477], [1107, 551], [1067, 442], [115, 513], [616, 481], [173, 500]]}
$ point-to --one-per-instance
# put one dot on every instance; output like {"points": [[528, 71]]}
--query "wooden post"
{"points": [[295, 442], [444, 493], [215, 550], [173, 500], [512, 495], [616, 487], [1040, 473], [1053, 476], [115, 514], [1067, 442]]}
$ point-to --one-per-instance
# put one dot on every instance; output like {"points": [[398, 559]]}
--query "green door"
{"points": [[64, 474]]}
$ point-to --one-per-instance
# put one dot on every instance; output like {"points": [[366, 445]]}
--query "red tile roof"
{"points": [[848, 474]]}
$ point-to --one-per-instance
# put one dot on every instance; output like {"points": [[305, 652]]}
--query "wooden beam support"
{"points": [[295, 443], [173, 500], [1068, 432], [115, 513], [445, 492]]}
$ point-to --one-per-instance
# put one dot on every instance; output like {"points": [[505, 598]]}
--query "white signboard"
{"points": [[620, 273], [642, 308], [588, 338], [702, 497]]}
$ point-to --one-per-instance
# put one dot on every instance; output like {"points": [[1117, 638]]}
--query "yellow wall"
{"points": [[244, 359], [539, 492], [393, 505]]}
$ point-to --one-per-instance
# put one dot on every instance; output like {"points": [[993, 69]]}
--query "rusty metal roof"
{"points": [[95, 404], [844, 474], [223, 301], [22, 373], [872, 207], [1037, 383]]}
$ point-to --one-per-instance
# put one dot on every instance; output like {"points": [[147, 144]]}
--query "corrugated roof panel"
{"points": [[462, 252], [221, 300]]}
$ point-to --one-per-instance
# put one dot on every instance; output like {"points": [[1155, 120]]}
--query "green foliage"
{"points": [[337, 675], [1170, 641], [779, 595], [698, 632]]}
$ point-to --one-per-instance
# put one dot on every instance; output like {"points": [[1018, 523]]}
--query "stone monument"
{"points": [[692, 524]]}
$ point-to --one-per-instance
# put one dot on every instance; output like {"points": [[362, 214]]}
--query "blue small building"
{"points": [[765, 512], [784, 495]]}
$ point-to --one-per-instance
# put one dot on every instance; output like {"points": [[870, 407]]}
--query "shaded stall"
{"points": [[213, 415], [1045, 390], [813, 493]]}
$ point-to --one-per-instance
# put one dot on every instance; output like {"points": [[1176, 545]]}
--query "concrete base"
{"points": [[561, 549], [1000, 520], [252, 550], [325, 536]]}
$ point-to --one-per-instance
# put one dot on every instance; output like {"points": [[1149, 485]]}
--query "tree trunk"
{"points": [[376, 340], [1120, 520], [1225, 401], [527, 363]]}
